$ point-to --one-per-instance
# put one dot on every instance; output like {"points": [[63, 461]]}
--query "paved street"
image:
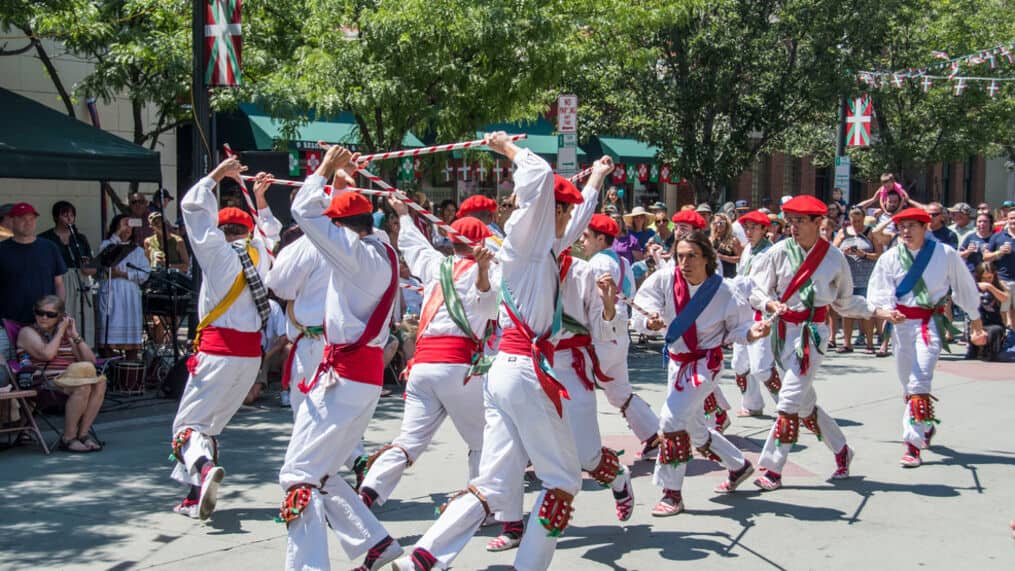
{"points": [[111, 510]]}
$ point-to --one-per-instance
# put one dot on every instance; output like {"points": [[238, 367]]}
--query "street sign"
{"points": [[842, 175], [567, 114], [567, 161], [567, 140]]}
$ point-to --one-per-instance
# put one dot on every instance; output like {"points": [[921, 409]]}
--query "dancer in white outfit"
{"points": [[523, 399], [753, 364], [445, 375], [342, 395], [913, 279], [233, 306], [700, 312]]}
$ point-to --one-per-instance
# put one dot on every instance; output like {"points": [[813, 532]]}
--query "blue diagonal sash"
{"points": [[698, 302], [916, 270]]}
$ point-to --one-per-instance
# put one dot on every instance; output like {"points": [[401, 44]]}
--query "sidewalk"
{"points": [[112, 510]]}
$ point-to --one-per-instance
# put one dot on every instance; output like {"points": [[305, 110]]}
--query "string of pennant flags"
{"points": [[929, 76]]}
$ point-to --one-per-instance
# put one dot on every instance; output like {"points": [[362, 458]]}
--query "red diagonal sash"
{"points": [[806, 270]]}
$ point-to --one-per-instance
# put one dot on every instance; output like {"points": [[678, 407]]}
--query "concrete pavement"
{"points": [[112, 510]]}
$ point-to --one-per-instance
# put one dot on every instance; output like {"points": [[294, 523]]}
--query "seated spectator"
{"points": [[53, 344], [120, 319], [993, 294]]}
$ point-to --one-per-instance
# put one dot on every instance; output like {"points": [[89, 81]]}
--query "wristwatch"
{"points": [[76, 340]]}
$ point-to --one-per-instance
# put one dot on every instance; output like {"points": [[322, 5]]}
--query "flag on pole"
{"points": [[858, 122], [222, 43]]}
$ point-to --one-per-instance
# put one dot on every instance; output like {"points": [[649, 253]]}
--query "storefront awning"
{"points": [[626, 151], [39, 142], [251, 129], [541, 139]]}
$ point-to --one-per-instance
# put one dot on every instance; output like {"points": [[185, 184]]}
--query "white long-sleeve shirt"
{"points": [[580, 217], [833, 283], [726, 316], [945, 270], [425, 263], [582, 302], [301, 274], [528, 259], [218, 260], [360, 267]]}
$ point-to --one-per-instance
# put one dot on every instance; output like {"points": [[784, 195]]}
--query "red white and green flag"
{"points": [[858, 122], [222, 43]]}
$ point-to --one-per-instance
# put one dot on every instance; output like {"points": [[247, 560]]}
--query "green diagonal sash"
{"points": [[456, 311], [806, 293]]}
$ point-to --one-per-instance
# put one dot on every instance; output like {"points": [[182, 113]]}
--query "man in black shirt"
{"points": [[29, 268]]}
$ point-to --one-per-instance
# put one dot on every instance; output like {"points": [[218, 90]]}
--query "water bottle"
{"points": [[25, 371]]}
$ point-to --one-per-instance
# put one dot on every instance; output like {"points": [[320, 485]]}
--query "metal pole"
{"points": [[840, 144], [200, 161]]}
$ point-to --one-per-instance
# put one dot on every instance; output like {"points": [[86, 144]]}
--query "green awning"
{"points": [[261, 131], [39, 142], [627, 150], [541, 139]]}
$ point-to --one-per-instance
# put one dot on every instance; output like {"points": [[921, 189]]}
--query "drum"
{"points": [[127, 376]]}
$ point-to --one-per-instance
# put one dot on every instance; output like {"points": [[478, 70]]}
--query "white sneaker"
{"points": [[186, 510], [403, 564], [209, 491], [284, 397]]}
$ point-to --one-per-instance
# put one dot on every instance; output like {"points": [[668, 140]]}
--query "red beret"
{"points": [[233, 215], [604, 225], [472, 229], [805, 204], [565, 191], [348, 204], [476, 203], [918, 214], [691, 218], [755, 216]]}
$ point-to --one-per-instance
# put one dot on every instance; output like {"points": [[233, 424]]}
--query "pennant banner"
{"points": [[222, 43]]}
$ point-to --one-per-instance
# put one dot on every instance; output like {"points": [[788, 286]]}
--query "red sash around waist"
{"points": [[445, 349], [514, 341], [690, 359], [225, 342], [230, 342], [796, 318], [924, 315], [575, 344], [361, 364]]}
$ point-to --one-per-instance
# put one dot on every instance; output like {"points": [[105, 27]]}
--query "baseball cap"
{"points": [[657, 206], [21, 209], [741, 204], [1007, 204], [5, 209], [963, 208], [704, 207]]}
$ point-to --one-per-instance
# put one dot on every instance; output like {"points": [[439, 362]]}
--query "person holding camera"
{"points": [[53, 344], [124, 269]]}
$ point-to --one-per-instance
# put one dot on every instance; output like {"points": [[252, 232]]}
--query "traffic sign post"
{"points": [[567, 138], [842, 175]]}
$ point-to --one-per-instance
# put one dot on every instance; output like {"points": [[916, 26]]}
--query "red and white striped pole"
{"points": [[583, 174], [250, 203], [431, 150]]}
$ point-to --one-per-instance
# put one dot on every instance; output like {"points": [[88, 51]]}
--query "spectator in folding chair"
{"points": [[53, 345]]}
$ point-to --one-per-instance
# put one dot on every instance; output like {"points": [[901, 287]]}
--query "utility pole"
{"points": [[842, 162], [200, 159]]}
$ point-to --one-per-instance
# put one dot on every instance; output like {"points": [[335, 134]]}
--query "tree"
{"points": [[713, 85], [444, 67], [914, 127], [20, 15]]}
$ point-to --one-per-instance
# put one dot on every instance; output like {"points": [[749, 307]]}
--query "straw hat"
{"points": [[77, 375], [636, 211]]}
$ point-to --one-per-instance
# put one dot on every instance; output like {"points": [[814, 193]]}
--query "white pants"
{"points": [[521, 424], [756, 361], [328, 426], [797, 396], [639, 415], [309, 352], [915, 362], [434, 392], [683, 410], [212, 396]]}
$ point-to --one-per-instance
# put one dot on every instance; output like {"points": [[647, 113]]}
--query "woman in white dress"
{"points": [[120, 318]]}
